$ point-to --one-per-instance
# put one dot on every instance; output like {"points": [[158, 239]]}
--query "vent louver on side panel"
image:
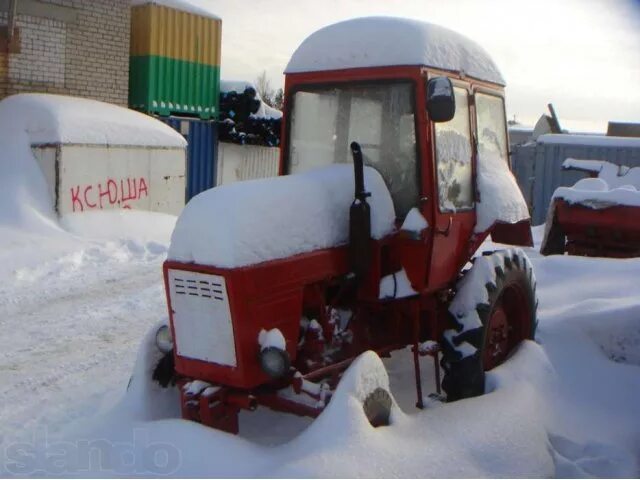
{"points": [[202, 317]]}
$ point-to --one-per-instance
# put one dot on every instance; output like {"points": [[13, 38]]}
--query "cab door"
{"points": [[453, 197]]}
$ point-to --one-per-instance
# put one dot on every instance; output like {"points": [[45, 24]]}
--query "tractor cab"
{"points": [[426, 105]]}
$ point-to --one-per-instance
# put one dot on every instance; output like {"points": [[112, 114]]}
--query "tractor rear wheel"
{"points": [[506, 314]]}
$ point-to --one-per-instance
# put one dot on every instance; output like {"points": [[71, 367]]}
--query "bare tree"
{"points": [[263, 87], [278, 99]]}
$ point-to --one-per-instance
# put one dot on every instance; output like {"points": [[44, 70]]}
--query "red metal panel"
{"points": [[263, 296]]}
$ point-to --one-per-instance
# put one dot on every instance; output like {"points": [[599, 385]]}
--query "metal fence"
{"points": [[538, 166], [202, 151]]}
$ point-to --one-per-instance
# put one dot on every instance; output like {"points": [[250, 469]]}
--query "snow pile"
{"points": [[615, 185], [202, 7], [500, 197], [50, 118], [259, 220], [396, 285], [272, 338], [414, 222], [472, 292], [384, 41], [146, 399]]}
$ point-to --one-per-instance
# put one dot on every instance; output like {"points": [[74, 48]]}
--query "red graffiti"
{"points": [[111, 192]]}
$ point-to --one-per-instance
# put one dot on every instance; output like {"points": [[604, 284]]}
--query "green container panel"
{"points": [[165, 86]]}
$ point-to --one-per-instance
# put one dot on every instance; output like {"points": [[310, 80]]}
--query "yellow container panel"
{"points": [[166, 32]]}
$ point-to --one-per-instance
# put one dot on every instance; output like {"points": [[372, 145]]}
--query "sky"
{"points": [[581, 55]]}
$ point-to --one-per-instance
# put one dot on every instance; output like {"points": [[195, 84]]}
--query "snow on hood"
{"points": [[259, 220], [50, 118], [384, 41]]}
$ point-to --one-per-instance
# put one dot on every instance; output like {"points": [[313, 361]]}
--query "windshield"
{"points": [[324, 121]]}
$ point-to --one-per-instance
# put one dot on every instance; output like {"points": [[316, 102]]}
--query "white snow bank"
{"points": [[50, 118], [500, 197], [396, 285], [595, 193], [202, 7], [272, 338], [259, 220], [384, 41], [614, 175], [145, 399], [591, 140], [414, 222], [139, 225]]}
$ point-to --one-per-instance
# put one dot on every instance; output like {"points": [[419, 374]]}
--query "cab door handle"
{"points": [[447, 230]]}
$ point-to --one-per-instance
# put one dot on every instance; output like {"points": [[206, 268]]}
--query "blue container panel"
{"points": [[202, 152]]}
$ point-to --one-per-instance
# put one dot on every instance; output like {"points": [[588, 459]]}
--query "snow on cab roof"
{"points": [[50, 118], [192, 6], [383, 41]]}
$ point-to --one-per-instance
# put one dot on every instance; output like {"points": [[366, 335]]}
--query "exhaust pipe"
{"points": [[359, 220]]}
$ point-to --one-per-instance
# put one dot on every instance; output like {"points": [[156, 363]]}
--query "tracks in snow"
{"points": [[70, 332]]}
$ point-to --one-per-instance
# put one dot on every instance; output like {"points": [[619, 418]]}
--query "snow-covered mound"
{"points": [[384, 41], [615, 185], [500, 197], [259, 220], [50, 118]]}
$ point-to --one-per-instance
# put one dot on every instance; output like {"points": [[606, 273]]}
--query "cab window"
{"points": [[325, 120], [492, 131], [453, 158]]}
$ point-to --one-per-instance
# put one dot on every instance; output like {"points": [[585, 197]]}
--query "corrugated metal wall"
{"points": [[538, 168], [202, 152], [246, 162]]}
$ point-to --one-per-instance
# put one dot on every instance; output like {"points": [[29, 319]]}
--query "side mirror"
{"points": [[441, 102]]}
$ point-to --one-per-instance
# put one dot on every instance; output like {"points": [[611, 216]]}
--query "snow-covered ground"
{"points": [[78, 296], [74, 314]]}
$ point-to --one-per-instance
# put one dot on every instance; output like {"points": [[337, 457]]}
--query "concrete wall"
{"points": [[245, 162], [83, 177], [72, 47]]}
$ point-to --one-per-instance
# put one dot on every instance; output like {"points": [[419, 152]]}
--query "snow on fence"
{"points": [[538, 166]]}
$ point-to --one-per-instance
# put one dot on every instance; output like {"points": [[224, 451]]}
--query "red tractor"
{"points": [[409, 116]]}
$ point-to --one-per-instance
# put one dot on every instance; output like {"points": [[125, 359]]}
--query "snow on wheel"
{"points": [[494, 309]]}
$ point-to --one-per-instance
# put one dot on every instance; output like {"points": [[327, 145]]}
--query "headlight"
{"points": [[164, 341], [274, 362]]}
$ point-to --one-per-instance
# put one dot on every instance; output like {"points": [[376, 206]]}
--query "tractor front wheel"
{"points": [[504, 316]]}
